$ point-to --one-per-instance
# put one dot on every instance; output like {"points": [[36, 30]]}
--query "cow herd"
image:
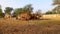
{"points": [[24, 16]]}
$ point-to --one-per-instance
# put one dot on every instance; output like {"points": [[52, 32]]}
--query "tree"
{"points": [[56, 2], [1, 13], [57, 9], [8, 10], [18, 11], [38, 12], [50, 12], [26, 9]]}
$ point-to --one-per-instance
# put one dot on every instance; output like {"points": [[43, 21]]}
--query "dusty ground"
{"points": [[12, 26]]}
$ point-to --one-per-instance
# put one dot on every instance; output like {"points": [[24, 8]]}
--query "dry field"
{"points": [[13, 26]]}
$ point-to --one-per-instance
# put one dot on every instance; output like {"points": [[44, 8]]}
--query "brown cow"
{"points": [[7, 16], [35, 16], [23, 16]]}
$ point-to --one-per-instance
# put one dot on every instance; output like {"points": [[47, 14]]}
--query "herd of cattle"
{"points": [[24, 16]]}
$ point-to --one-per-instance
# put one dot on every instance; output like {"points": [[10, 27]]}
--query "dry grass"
{"points": [[13, 26], [52, 16]]}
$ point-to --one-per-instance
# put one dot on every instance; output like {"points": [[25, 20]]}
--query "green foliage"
{"points": [[57, 9], [18, 11], [56, 2], [1, 13], [50, 12], [38, 12], [53, 12], [8, 10], [28, 8], [25, 9]]}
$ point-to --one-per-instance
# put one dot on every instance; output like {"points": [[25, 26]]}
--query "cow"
{"points": [[7, 16], [23, 16], [35, 16]]}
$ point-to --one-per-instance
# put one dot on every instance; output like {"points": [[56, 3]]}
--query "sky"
{"points": [[43, 5]]}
